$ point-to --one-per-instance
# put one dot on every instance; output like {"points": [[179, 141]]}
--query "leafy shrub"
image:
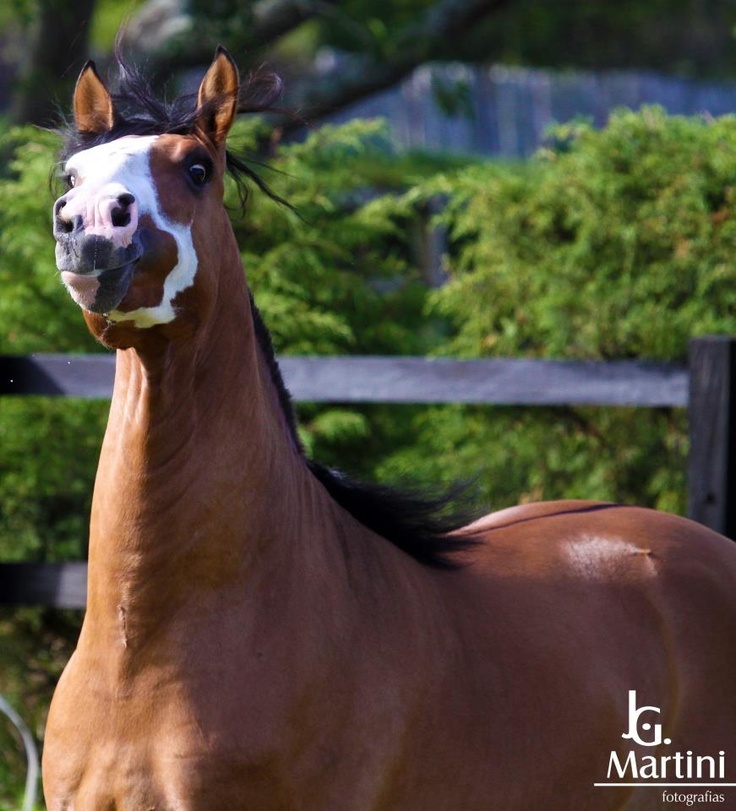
{"points": [[608, 244], [616, 244], [49, 448], [340, 274]]}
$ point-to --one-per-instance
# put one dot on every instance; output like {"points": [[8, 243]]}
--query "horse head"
{"points": [[144, 210]]}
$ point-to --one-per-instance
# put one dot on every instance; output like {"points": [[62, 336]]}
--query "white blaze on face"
{"points": [[124, 166]]}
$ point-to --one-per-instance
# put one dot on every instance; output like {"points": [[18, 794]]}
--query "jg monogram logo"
{"points": [[635, 714]]}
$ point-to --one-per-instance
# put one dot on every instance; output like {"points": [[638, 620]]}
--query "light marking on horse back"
{"points": [[126, 163], [599, 558]]}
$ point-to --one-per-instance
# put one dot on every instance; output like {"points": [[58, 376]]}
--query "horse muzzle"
{"points": [[97, 250]]}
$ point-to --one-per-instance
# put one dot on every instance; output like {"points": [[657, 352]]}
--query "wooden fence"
{"points": [[506, 111], [706, 387]]}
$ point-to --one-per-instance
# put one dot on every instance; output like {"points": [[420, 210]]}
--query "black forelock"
{"points": [[139, 110]]}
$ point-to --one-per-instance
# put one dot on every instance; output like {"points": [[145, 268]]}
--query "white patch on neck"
{"points": [[177, 280], [126, 162]]}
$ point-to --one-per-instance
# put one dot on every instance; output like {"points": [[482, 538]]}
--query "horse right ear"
{"points": [[217, 100], [93, 108]]}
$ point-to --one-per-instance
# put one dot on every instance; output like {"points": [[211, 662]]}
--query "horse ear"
{"points": [[218, 97], [93, 108]]}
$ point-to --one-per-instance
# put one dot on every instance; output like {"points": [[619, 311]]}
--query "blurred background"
{"points": [[475, 178], [505, 68]]}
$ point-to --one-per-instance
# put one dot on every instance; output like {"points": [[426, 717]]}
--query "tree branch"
{"points": [[274, 18], [362, 76], [169, 37], [315, 94]]}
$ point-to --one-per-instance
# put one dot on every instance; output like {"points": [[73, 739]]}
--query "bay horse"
{"points": [[262, 633]]}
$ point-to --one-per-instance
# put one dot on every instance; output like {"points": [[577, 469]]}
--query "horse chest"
{"points": [[152, 741], [161, 772]]}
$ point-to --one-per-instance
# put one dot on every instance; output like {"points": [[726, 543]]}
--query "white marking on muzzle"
{"points": [[106, 172]]}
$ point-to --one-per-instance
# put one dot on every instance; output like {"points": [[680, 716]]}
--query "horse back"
{"points": [[575, 605]]}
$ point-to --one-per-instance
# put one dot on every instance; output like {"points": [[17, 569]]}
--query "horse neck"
{"points": [[200, 483]]}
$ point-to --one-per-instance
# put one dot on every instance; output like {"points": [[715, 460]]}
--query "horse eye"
{"points": [[199, 174]]}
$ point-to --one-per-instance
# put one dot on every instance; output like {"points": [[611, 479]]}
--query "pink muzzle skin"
{"points": [[97, 245], [110, 212], [112, 217]]}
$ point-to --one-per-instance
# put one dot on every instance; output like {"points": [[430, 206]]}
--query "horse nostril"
{"points": [[62, 225], [120, 215]]}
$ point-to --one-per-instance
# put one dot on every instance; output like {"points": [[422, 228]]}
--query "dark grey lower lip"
{"points": [[114, 284], [100, 292]]}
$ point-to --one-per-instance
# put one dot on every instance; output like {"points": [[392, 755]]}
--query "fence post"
{"points": [[712, 419]]}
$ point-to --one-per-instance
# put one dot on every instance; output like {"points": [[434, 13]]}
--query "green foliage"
{"points": [[34, 309], [612, 244], [49, 448], [107, 19], [615, 244], [604, 36], [575, 33], [16, 12], [337, 274], [333, 274]]}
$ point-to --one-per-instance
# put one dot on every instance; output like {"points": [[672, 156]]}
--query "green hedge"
{"points": [[608, 244], [612, 244]]}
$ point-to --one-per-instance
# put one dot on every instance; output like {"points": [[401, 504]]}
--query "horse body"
{"points": [[249, 643]]}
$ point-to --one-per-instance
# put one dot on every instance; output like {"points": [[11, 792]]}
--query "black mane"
{"points": [[420, 526]]}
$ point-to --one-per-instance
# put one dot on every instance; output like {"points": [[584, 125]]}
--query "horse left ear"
{"points": [[218, 97], [93, 108]]}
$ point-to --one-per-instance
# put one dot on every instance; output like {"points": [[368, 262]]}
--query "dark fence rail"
{"points": [[397, 380], [706, 387]]}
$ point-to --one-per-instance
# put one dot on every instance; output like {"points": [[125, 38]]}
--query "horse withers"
{"points": [[262, 633]]}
